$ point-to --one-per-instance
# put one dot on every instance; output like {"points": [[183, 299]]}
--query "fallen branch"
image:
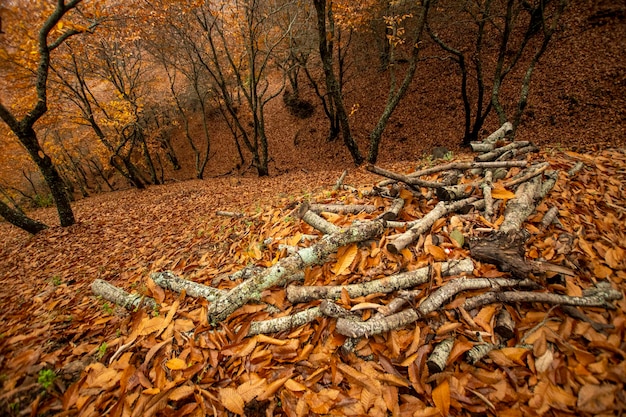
{"points": [[407, 179], [343, 208], [284, 323], [440, 210], [120, 297], [432, 303], [487, 186], [316, 221], [468, 165], [600, 298], [229, 214], [575, 169], [532, 172], [393, 211], [170, 281], [300, 294], [498, 152], [504, 130], [280, 272], [339, 182]]}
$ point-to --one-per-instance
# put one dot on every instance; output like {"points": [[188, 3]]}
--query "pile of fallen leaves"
{"points": [[171, 362]]}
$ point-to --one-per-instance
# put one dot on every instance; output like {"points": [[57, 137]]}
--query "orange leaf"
{"points": [[483, 318], [231, 400], [176, 364], [437, 252], [292, 385], [345, 260], [441, 397], [179, 393], [502, 194], [614, 257]]}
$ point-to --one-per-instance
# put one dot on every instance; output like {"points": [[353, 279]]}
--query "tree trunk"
{"points": [[332, 86], [19, 219], [28, 137], [395, 95]]}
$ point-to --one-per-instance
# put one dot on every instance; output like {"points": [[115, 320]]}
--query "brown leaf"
{"points": [[176, 364], [345, 257], [231, 400], [441, 397]]}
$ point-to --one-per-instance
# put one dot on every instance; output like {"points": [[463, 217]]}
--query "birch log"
{"points": [[120, 297], [440, 210], [279, 272], [300, 294]]}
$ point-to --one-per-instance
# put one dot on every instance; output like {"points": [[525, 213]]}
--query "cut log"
{"points": [[505, 326], [504, 130], [300, 294], [424, 224], [498, 152], [170, 281], [439, 357], [120, 297], [280, 272], [506, 251]]}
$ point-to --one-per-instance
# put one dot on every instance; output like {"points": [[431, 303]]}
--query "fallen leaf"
{"points": [[231, 400], [176, 364], [441, 397]]}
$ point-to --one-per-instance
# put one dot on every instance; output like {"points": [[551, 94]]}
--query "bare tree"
{"points": [[25, 132]]}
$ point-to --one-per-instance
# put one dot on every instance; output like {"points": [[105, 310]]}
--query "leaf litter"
{"points": [[170, 362]]}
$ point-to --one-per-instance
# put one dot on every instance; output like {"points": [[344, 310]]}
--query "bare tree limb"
{"points": [[287, 267], [120, 297], [599, 299], [440, 210], [170, 281]]}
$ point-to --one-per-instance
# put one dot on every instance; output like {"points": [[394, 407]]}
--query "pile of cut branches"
{"points": [[452, 289]]}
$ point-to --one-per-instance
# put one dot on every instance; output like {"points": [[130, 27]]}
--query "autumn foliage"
{"points": [[108, 106]]}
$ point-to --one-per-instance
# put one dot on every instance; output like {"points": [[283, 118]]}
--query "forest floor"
{"points": [[52, 321], [64, 351]]}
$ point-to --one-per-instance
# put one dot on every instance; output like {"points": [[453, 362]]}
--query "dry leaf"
{"points": [[502, 194], [176, 364], [231, 400], [345, 260], [441, 397]]}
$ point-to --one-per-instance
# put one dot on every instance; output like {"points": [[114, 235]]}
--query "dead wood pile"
{"points": [[444, 246]]}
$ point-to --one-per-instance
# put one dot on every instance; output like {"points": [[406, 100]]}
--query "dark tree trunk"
{"points": [[28, 137], [332, 85], [23, 129], [19, 219]]}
